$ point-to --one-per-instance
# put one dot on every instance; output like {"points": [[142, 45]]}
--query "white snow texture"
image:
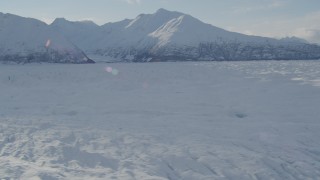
{"points": [[214, 120]]}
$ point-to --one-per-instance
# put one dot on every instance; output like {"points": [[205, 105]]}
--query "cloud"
{"points": [[311, 35], [133, 1], [277, 4], [305, 27], [264, 5], [309, 28]]}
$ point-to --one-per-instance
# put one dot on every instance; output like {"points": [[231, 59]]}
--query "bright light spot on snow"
{"points": [[111, 70], [48, 43]]}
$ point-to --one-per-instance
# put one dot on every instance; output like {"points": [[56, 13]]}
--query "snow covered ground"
{"points": [[193, 120]]}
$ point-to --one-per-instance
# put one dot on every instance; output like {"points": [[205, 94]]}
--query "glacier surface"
{"points": [[191, 120]]}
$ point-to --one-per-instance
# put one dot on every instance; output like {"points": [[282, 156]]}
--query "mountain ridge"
{"points": [[170, 35], [25, 40]]}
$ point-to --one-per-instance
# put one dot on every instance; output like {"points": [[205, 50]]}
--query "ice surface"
{"points": [[197, 120]]}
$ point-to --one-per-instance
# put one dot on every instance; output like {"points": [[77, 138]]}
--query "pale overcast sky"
{"points": [[272, 18]]}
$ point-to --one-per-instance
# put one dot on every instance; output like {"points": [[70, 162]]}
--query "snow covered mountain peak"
{"points": [[166, 31], [163, 11], [11, 19], [170, 35], [185, 30], [150, 22], [161, 36], [64, 22], [88, 22], [60, 20], [29, 40]]}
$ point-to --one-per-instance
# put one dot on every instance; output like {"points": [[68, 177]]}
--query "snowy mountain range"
{"points": [[162, 36], [25, 40]]}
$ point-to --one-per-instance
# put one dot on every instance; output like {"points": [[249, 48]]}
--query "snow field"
{"points": [[195, 120]]}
